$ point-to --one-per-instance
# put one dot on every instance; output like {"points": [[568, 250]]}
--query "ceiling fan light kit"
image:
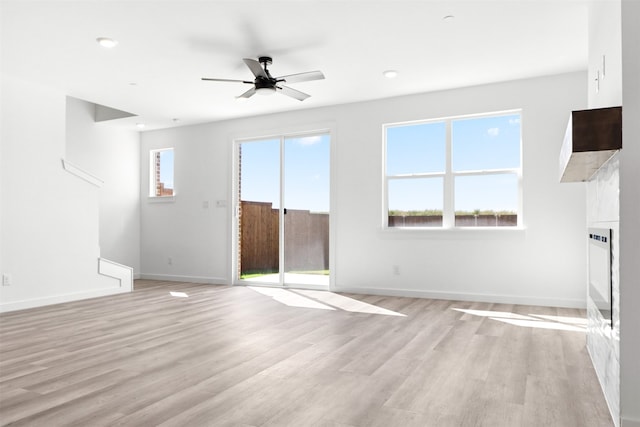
{"points": [[265, 84]]}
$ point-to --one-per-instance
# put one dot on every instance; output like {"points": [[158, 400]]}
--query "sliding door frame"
{"points": [[281, 135]]}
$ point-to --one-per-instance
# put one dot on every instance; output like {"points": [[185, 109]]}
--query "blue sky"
{"points": [[478, 144], [166, 168], [481, 143], [306, 183]]}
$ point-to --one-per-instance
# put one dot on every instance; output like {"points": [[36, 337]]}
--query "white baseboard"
{"points": [[137, 276], [58, 299], [458, 296], [190, 279]]}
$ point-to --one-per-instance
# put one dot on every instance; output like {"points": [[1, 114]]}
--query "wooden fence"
{"points": [[461, 221], [306, 239], [258, 237]]}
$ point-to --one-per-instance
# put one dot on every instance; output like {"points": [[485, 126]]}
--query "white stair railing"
{"points": [[81, 173]]}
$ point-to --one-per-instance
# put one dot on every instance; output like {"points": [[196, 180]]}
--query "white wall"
{"points": [[112, 154], [49, 239], [543, 264], [196, 238], [605, 35]]}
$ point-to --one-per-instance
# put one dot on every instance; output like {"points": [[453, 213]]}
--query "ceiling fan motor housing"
{"points": [[265, 83]]}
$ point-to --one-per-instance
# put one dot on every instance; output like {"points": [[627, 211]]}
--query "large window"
{"points": [[161, 167], [454, 172]]}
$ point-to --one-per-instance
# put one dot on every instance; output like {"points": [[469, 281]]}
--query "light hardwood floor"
{"points": [[236, 356]]}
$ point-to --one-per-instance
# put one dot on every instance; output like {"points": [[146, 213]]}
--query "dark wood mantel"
{"points": [[592, 137]]}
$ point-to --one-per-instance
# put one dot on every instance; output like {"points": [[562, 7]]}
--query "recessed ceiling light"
{"points": [[107, 42], [390, 74], [140, 125], [449, 18]]}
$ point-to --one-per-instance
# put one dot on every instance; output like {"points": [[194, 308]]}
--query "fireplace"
{"points": [[600, 285]]}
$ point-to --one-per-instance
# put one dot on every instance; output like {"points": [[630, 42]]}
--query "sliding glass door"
{"points": [[259, 211], [306, 219], [283, 211]]}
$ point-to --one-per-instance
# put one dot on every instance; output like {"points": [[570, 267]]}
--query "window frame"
{"points": [[152, 176], [449, 175]]}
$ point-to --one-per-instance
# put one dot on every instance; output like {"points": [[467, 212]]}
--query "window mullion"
{"points": [[417, 175], [487, 172], [448, 208]]}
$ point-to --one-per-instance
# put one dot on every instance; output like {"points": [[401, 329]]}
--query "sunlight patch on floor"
{"points": [[178, 294], [577, 321], [348, 304], [289, 298], [321, 300], [490, 313], [541, 321]]}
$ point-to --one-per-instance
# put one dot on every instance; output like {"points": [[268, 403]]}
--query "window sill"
{"points": [[458, 233], [161, 199]]}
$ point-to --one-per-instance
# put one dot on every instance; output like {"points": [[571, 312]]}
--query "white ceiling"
{"points": [[165, 47]]}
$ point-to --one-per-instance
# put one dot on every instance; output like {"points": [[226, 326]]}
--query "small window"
{"points": [[455, 172], [161, 173]]}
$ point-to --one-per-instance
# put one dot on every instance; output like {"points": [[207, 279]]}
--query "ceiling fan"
{"points": [[265, 84]]}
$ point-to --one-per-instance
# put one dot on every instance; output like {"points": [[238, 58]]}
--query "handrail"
{"points": [[81, 173]]}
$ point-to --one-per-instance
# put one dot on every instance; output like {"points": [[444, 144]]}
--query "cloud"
{"points": [[493, 131], [309, 140], [514, 121]]}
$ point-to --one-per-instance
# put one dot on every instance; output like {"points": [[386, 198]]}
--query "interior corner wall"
{"points": [[111, 153], [543, 264], [630, 219], [49, 229]]}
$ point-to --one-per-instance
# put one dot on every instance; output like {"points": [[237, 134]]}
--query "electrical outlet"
{"points": [[170, 261], [396, 270], [6, 279]]}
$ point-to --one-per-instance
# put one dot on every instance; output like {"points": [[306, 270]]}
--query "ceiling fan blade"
{"points": [[300, 96], [226, 80], [255, 67], [248, 94], [302, 77]]}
